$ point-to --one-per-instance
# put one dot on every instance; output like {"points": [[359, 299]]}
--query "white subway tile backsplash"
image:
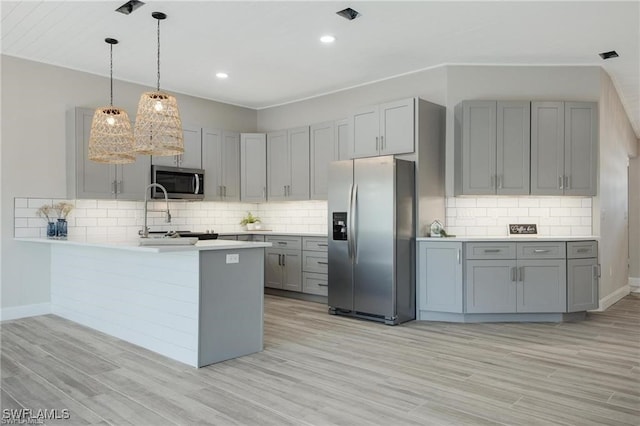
{"points": [[489, 216], [21, 203]]}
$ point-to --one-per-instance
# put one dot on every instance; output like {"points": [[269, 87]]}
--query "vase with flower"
{"points": [[45, 212], [62, 209]]}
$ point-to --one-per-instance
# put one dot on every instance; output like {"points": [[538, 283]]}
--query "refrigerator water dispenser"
{"points": [[340, 226]]}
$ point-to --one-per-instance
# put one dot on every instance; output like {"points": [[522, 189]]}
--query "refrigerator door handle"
{"points": [[354, 221], [349, 221]]}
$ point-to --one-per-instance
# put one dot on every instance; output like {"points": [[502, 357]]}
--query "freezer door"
{"points": [[374, 229], [340, 292]]}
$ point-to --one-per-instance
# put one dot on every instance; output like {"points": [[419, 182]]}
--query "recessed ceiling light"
{"points": [[608, 55], [327, 39], [222, 75]]}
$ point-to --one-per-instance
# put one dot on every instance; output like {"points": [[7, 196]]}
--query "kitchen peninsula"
{"points": [[198, 304]]}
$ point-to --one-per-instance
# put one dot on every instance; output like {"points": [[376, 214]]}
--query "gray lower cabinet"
{"points": [[315, 266], [283, 263], [253, 167], [440, 264], [221, 162], [88, 179], [505, 277], [583, 274]]}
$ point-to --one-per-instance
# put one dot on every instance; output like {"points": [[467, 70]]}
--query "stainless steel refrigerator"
{"points": [[371, 241]]}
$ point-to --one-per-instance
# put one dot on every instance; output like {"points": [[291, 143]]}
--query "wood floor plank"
{"points": [[319, 369]]}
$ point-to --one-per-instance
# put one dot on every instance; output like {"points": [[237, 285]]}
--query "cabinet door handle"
{"points": [[323, 263], [381, 143], [459, 256], [500, 182], [561, 182], [264, 192], [322, 245], [567, 182], [322, 285], [582, 250], [377, 144], [521, 277], [599, 270], [492, 250], [541, 251], [284, 257], [114, 187], [282, 243], [595, 271], [514, 274]]}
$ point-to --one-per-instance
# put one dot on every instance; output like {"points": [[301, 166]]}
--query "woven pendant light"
{"points": [[111, 139], [158, 128]]}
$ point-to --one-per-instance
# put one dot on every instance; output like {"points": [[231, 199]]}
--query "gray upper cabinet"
{"points": [[323, 151], [564, 148], [253, 167], [221, 162], [288, 164], [440, 283], [192, 156], [493, 146], [88, 179], [343, 146], [383, 129]]}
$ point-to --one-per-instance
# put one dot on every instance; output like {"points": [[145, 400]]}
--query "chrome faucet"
{"points": [[144, 232]]}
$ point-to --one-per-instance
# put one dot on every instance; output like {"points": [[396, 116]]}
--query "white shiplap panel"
{"points": [[149, 299]]}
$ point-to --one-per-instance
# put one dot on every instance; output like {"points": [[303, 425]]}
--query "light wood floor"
{"points": [[318, 369]]}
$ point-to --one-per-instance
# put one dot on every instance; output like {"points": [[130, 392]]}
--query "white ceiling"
{"points": [[273, 56]]}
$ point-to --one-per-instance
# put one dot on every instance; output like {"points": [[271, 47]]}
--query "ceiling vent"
{"points": [[349, 14], [130, 6], [609, 55]]}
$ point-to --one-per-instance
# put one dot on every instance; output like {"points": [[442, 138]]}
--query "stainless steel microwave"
{"points": [[187, 184]]}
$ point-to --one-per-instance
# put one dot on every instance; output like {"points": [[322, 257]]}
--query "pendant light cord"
{"points": [[158, 88], [111, 72]]}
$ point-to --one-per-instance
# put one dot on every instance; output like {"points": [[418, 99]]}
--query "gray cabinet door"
{"points": [[490, 286], [547, 148], [365, 132], [478, 147], [230, 158], [322, 149], [440, 277], [292, 265], [132, 179], [278, 165], [542, 285], [273, 271], [580, 148], [192, 156], [91, 180], [253, 164], [298, 145], [582, 284], [343, 143], [212, 164], [397, 127], [513, 147]]}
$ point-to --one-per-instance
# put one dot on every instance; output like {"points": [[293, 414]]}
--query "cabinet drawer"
{"points": [[284, 242], [582, 249], [479, 251], [550, 250], [314, 283], [227, 237], [250, 237], [314, 244], [314, 261]]}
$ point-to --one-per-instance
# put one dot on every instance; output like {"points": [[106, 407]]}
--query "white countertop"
{"points": [[510, 239], [270, 232], [133, 245]]}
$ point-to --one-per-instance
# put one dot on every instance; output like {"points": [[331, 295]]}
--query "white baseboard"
{"points": [[24, 311], [634, 283], [613, 298]]}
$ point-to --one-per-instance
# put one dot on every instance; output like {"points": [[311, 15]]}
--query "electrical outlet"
{"points": [[233, 258]]}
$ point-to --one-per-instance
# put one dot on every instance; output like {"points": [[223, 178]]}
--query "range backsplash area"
{"points": [[489, 216], [112, 220]]}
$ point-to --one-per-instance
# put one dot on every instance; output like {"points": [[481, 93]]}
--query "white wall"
{"points": [[634, 219], [617, 143], [35, 98]]}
